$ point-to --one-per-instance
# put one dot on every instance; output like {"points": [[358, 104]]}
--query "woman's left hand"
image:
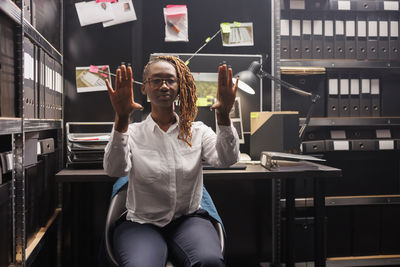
{"points": [[226, 95]]}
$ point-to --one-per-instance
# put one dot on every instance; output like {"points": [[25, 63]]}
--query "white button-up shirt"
{"points": [[165, 173]]}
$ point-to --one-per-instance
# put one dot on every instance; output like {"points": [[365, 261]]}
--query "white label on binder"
{"points": [[354, 87], [340, 145], [328, 27], [361, 28], [386, 144], [317, 27], [350, 28], [297, 4], [339, 27], [296, 27], [394, 29], [383, 133], [391, 5], [307, 27], [374, 86], [372, 28], [284, 27], [344, 86], [333, 87], [365, 86], [343, 5], [383, 28]]}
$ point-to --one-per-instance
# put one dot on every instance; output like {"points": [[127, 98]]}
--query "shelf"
{"points": [[332, 64], [10, 125], [351, 121], [14, 12], [39, 240], [33, 125], [371, 260]]}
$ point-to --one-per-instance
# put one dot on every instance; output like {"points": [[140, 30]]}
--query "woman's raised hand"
{"points": [[226, 94], [121, 96]]}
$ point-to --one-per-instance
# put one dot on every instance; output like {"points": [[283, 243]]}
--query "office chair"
{"points": [[117, 209]]}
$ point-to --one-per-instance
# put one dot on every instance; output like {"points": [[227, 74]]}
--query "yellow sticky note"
{"points": [[254, 115], [208, 39], [187, 62], [202, 102], [225, 27], [236, 24]]}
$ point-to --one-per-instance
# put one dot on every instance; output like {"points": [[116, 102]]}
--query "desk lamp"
{"points": [[250, 79]]}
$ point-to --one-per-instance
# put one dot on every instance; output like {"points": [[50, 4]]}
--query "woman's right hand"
{"points": [[121, 96]]}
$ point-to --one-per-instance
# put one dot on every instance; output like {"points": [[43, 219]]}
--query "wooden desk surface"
{"points": [[308, 170]]}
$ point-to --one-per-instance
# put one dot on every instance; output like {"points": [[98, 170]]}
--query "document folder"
{"points": [[333, 98], [42, 84], [295, 43], [350, 42], [29, 72], [328, 52], [361, 37], [354, 97], [365, 98], [344, 101], [285, 38], [394, 47], [372, 41], [339, 39], [306, 46], [383, 41], [317, 42], [375, 98]]}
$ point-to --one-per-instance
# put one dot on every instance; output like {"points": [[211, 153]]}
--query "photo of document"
{"points": [[87, 81]]}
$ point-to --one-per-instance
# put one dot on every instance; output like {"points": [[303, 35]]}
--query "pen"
{"points": [[173, 26]]}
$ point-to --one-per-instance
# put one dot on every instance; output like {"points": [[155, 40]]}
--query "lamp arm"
{"points": [[291, 87], [309, 113]]}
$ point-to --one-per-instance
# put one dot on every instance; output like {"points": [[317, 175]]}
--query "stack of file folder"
{"points": [[86, 149]]}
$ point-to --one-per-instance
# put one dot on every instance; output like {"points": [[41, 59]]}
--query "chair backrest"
{"points": [[117, 209]]}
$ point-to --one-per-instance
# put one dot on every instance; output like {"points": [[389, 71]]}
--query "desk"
{"points": [[314, 171]]}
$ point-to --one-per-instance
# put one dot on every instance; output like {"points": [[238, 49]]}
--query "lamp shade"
{"points": [[248, 79]]}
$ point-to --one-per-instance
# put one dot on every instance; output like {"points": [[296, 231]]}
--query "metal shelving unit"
{"points": [[23, 255]]}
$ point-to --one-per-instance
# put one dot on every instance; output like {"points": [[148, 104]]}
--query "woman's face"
{"points": [[161, 84]]}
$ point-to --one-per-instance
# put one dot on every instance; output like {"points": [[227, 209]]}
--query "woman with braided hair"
{"points": [[163, 157]]}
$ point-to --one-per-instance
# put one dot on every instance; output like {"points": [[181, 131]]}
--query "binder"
{"points": [[58, 90], [339, 38], [306, 47], [365, 98], [29, 68], [350, 42], [361, 36], [375, 98], [333, 98], [295, 43], [363, 145], [47, 93], [316, 146], [383, 41], [394, 46], [36, 81], [344, 100], [328, 38], [372, 40], [42, 84], [354, 97], [317, 41], [285, 37], [367, 5]]}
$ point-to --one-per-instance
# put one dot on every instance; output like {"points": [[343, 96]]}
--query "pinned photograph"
{"points": [[92, 78], [123, 12], [92, 12], [237, 34]]}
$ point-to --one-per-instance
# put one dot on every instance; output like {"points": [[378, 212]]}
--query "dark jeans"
{"points": [[188, 241]]}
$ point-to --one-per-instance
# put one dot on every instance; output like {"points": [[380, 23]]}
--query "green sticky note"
{"points": [[236, 24], [225, 27], [254, 115], [208, 39]]}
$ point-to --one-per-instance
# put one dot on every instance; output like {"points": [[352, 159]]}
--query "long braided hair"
{"points": [[187, 95]]}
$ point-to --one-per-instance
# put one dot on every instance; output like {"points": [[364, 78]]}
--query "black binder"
{"points": [[295, 38], [42, 84], [367, 5], [339, 37], [372, 40], [354, 97], [361, 41], [306, 45], [394, 46], [317, 37], [350, 42], [333, 98], [58, 90], [344, 100], [29, 72], [365, 98], [329, 47], [285, 36], [383, 40], [375, 98]]}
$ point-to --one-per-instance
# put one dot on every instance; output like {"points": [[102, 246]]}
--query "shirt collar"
{"points": [[153, 125]]}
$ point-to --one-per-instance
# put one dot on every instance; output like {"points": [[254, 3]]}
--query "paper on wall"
{"points": [[123, 12], [92, 12]]}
